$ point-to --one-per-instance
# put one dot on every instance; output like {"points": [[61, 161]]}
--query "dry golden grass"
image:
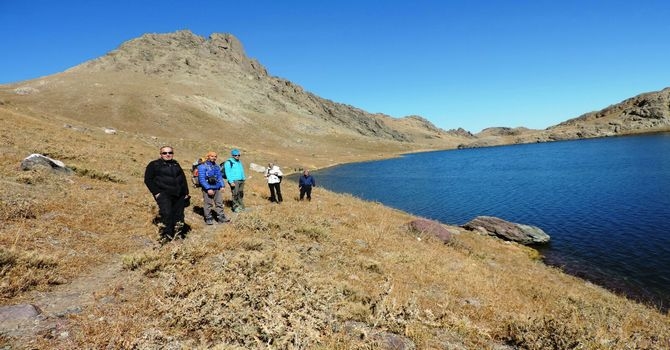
{"points": [[298, 275]]}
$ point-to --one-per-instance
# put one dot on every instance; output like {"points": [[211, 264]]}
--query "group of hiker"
{"points": [[166, 181]]}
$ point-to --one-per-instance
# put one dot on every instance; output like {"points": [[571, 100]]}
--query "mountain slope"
{"points": [[182, 86]]}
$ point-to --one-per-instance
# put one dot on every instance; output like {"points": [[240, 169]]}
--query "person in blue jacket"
{"points": [[305, 184], [235, 175], [211, 182]]}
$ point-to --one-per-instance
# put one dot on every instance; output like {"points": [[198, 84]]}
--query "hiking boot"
{"points": [[209, 221], [223, 220]]}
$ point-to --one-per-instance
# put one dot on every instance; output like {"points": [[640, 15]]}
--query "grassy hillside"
{"points": [[336, 273]]}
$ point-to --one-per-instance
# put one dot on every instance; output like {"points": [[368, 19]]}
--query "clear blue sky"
{"points": [[470, 64]]}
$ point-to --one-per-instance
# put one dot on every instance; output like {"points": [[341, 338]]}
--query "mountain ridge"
{"points": [[181, 85]]}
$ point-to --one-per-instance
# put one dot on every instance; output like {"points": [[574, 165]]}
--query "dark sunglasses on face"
{"points": [[164, 153]]}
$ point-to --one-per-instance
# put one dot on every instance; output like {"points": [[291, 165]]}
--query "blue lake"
{"points": [[604, 202]]}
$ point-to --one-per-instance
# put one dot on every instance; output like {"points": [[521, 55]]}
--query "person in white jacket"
{"points": [[274, 176]]}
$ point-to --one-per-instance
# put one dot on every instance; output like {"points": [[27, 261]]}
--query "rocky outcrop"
{"points": [[503, 131], [506, 230], [425, 123], [461, 133], [178, 52], [351, 117]]}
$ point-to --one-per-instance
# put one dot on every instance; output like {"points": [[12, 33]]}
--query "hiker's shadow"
{"points": [[228, 203], [199, 210], [182, 228]]}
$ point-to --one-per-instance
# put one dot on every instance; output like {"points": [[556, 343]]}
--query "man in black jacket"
{"points": [[167, 183]]}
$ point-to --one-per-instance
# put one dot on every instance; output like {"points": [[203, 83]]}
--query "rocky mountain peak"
{"points": [[178, 52]]}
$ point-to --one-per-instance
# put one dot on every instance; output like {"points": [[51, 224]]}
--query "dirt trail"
{"points": [[84, 291], [62, 300]]}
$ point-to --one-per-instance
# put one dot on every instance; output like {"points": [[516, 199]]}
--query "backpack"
{"points": [[194, 174], [223, 169]]}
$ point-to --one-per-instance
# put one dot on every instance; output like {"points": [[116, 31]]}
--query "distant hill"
{"points": [[642, 113], [645, 113]]}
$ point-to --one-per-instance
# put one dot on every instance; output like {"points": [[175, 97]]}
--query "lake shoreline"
{"points": [[611, 280]]}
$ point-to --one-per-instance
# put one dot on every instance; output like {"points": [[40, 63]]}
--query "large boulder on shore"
{"points": [[431, 227], [493, 226]]}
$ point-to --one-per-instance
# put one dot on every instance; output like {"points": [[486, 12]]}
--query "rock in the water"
{"points": [[524, 234]]}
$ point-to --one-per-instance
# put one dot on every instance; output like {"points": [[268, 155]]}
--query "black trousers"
{"points": [[275, 192], [171, 211], [306, 190]]}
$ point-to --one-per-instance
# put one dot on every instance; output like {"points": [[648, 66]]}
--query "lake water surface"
{"points": [[604, 202]]}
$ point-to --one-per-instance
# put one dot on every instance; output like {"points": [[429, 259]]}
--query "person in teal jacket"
{"points": [[234, 170]]}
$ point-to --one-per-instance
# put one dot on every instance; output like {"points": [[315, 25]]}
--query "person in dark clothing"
{"points": [[305, 184], [166, 181]]}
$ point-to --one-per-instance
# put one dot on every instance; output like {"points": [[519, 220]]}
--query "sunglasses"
{"points": [[164, 153]]}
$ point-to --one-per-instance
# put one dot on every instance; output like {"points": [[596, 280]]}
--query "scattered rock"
{"points": [[14, 319], [18, 313], [110, 131], [431, 227], [37, 160], [75, 128], [257, 168], [492, 226], [472, 302], [361, 243], [25, 90]]}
